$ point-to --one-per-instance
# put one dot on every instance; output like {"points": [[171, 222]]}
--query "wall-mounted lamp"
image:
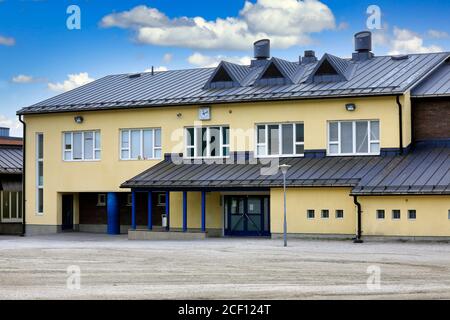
{"points": [[179, 115], [350, 107], [78, 119]]}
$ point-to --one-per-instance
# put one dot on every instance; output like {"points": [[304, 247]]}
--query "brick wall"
{"points": [[431, 119]]}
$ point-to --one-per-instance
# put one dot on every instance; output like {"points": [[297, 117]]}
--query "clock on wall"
{"points": [[204, 113]]}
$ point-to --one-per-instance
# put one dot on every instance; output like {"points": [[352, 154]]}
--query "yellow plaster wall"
{"points": [[300, 200]]}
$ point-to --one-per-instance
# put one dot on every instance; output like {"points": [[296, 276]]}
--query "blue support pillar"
{"points": [[133, 210], [150, 211], [184, 211], [203, 211], [112, 207], [168, 210]]}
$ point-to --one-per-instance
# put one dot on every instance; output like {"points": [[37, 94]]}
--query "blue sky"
{"points": [[38, 52]]}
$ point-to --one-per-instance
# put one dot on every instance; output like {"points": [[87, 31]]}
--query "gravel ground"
{"points": [[114, 268]]}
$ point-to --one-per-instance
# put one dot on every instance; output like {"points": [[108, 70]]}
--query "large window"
{"points": [[140, 144], [11, 206], [82, 146], [207, 142], [354, 137], [286, 139], [39, 173]]}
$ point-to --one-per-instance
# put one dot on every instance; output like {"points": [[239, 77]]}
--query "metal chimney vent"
{"points": [[262, 49], [363, 41]]}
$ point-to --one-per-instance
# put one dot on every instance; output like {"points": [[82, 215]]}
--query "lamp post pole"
{"points": [[284, 168]]}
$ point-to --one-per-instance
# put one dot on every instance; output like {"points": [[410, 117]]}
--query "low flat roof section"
{"points": [[426, 170]]}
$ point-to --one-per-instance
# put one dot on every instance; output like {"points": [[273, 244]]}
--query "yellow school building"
{"points": [[186, 154]]}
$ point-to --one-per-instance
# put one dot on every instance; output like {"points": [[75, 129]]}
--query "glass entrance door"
{"points": [[247, 215]]}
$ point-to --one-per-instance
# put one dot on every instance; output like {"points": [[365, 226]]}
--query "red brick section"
{"points": [[431, 119], [4, 141]]}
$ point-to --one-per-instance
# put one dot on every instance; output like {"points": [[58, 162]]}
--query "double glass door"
{"points": [[247, 216]]}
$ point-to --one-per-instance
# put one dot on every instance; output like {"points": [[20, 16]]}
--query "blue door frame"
{"points": [[246, 218]]}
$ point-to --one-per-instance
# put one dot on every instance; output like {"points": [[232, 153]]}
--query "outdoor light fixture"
{"points": [[284, 168], [78, 119], [179, 115], [350, 107]]}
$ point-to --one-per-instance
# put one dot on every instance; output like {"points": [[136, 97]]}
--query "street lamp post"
{"points": [[284, 168]]}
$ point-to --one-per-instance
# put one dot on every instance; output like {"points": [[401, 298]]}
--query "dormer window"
{"points": [[331, 69], [227, 75], [275, 74]]}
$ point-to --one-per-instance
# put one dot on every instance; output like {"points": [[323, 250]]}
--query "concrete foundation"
{"points": [[166, 235]]}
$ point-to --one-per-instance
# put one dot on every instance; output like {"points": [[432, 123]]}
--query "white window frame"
{"points": [[384, 214], [280, 140], [336, 214], [313, 212], [141, 147], [409, 217], [39, 186], [18, 207], [94, 146], [322, 212], [208, 138], [392, 214], [338, 142]]}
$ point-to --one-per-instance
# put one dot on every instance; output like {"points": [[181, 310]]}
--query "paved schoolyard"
{"points": [[113, 268]]}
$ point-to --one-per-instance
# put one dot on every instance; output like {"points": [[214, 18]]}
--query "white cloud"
{"points": [[407, 41], [436, 34], [7, 41], [22, 78], [14, 125], [286, 23], [160, 68], [167, 58], [73, 81], [200, 60]]}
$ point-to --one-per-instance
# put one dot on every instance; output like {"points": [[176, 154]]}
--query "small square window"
{"points": [[396, 215], [339, 214], [161, 200], [101, 200], [380, 214], [310, 214], [412, 214], [325, 214]]}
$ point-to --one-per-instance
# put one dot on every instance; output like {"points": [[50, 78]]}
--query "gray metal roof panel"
{"points": [[379, 75], [438, 83], [10, 160]]}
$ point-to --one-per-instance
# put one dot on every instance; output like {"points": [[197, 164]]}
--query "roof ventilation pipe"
{"points": [[261, 49], [363, 46]]}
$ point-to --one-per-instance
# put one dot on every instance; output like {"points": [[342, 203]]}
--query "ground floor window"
{"points": [[395, 214], [11, 206], [380, 214], [412, 214], [339, 214], [310, 214]]}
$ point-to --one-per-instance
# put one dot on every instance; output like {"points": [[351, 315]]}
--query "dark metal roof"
{"points": [[10, 160], [377, 76], [424, 171], [436, 85]]}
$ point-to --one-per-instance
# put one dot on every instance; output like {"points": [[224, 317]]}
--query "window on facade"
{"points": [[380, 214], [207, 142], [39, 173], [353, 137], [412, 214], [140, 144], [161, 200], [396, 214], [339, 214], [129, 200], [82, 146], [10, 206], [325, 214], [310, 214], [285, 139], [101, 200]]}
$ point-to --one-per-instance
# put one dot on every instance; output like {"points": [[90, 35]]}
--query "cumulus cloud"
{"points": [[407, 41], [199, 60], [437, 34], [402, 41], [13, 124], [7, 41], [73, 81], [286, 23], [167, 58], [22, 78]]}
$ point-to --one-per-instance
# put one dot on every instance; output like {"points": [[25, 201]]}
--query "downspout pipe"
{"points": [[400, 123], [23, 175], [358, 239]]}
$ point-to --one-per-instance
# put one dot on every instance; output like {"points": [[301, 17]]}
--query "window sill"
{"points": [[353, 155], [11, 221], [282, 156], [149, 159], [93, 160]]}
